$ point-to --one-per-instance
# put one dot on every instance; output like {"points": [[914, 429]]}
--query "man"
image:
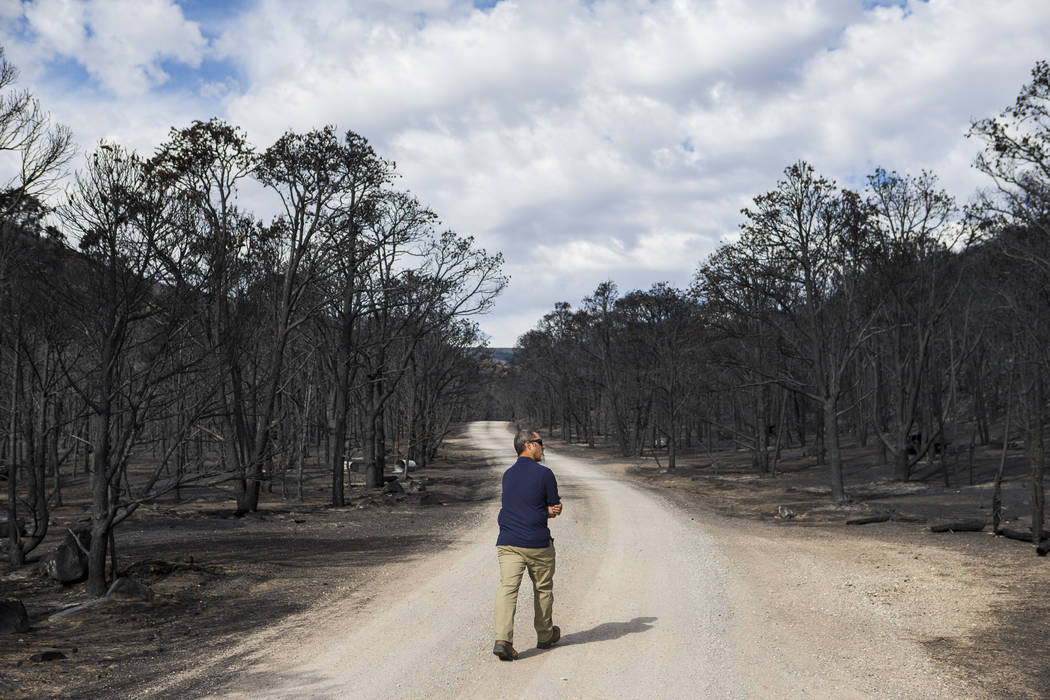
{"points": [[530, 498]]}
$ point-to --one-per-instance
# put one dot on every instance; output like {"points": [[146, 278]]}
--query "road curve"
{"points": [[652, 603]]}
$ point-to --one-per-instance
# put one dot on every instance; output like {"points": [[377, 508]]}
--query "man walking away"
{"points": [[530, 498]]}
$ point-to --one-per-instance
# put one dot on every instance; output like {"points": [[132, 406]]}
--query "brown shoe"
{"points": [[555, 636], [504, 650]]}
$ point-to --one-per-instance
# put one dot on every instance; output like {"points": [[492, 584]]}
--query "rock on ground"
{"points": [[13, 617]]}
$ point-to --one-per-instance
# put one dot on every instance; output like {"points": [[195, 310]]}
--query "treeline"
{"points": [[890, 314], [156, 333]]}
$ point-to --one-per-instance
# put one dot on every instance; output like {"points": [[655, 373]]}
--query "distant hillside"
{"points": [[504, 355]]}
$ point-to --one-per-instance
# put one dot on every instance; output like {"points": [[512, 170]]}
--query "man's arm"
{"points": [[551, 487]]}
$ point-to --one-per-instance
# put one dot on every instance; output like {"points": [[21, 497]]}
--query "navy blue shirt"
{"points": [[528, 488]]}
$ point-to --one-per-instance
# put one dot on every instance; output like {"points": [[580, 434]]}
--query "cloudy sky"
{"points": [[584, 139]]}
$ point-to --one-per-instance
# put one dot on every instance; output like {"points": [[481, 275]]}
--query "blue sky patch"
{"points": [[212, 17], [70, 75], [182, 77], [903, 4]]}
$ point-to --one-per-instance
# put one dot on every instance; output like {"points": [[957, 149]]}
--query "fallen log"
{"points": [[1022, 535], [868, 519], [123, 589], [958, 526]]}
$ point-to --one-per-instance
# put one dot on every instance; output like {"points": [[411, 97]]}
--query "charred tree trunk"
{"points": [[100, 511], [799, 404], [672, 447], [1037, 457], [831, 440], [337, 436], [760, 453], [372, 419], [15, 553], [780, 432], [997, 494]]}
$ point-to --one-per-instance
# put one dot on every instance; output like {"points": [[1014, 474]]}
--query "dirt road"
{"points": [[652, 602]]}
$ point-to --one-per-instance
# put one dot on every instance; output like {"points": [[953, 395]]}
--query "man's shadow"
{"points": [[602, 633]]}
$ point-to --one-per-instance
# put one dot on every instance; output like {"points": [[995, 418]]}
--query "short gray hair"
{"points": [[520, 438]]}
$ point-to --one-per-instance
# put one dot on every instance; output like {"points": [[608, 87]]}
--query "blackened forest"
{"points": [[159, 336]]}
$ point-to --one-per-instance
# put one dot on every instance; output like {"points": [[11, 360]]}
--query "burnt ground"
{"points": [[217, 578]]}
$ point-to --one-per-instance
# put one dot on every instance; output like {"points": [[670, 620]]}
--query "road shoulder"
{"points": [[974, 603]]}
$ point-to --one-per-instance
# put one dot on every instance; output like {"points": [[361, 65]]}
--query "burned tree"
{"points": [[1014, 214], [127, 317]]}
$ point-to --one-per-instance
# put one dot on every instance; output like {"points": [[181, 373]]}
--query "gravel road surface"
{"points": [[653, 602]]}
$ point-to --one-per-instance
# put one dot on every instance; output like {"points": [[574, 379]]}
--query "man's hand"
{"points": [[554, 511]]}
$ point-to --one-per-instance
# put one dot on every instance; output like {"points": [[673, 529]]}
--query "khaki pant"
{"points": [[513, 561]]}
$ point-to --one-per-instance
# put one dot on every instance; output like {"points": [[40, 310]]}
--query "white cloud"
{"points": [[10, 10], [60, 24], [551, 262], [120, 43]]}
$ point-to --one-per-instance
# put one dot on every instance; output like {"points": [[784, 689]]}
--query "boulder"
{"points": [[125, 588], [68, 563], [13, 617]]}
